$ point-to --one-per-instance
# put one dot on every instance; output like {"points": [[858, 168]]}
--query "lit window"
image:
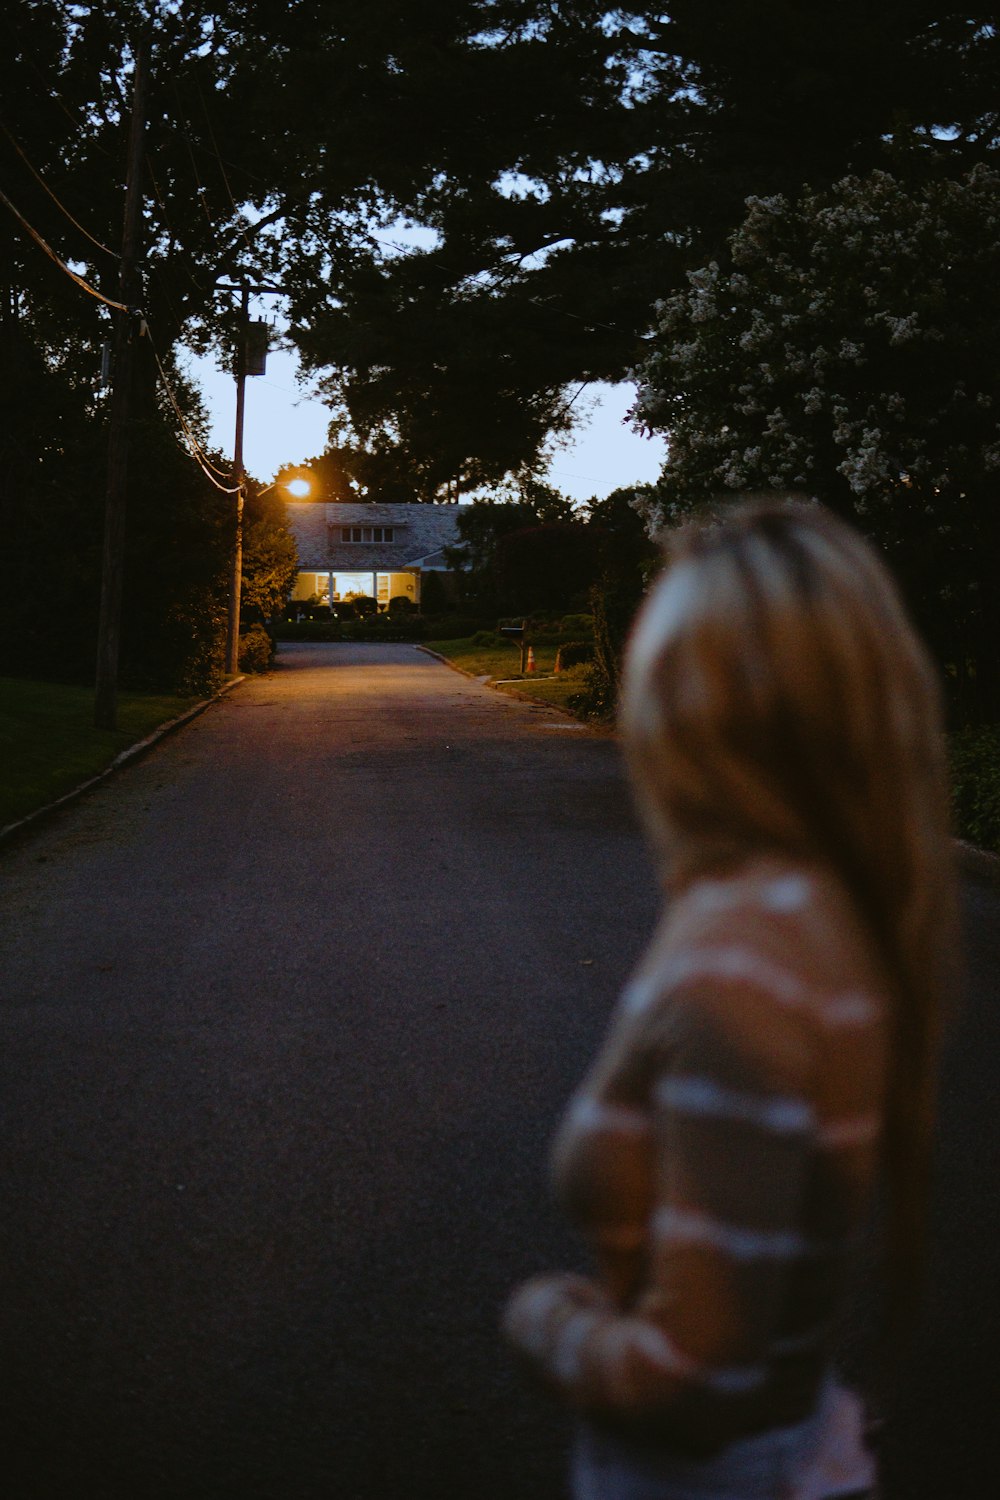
{"points": [[367, 533]]}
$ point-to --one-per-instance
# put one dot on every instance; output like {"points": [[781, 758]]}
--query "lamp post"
{"points": [[236, 574], [246, 364]]}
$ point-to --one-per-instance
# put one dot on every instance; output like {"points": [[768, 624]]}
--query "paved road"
{"points": [[290, 1009]]}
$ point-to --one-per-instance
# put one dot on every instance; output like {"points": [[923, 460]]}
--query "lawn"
{"points": [[501, 664], [48, 744]]}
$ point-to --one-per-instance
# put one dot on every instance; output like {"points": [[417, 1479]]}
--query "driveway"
{"points": [[290, 1009]]}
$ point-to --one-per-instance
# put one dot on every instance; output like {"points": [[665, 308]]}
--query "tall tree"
{"points": [[845, 347], [563, 163]]}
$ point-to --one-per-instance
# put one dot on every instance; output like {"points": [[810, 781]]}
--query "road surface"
{"points": [[289, 1010]]}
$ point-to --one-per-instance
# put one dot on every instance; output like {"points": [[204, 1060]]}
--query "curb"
{"points": [[122, 759], [978, 864], [512, 692]]}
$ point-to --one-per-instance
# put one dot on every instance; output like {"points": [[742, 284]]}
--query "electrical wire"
{"points": [[566, 406], [215, 145], [194, 165], [44, 245], [196, 451], [185, 256], [61, 206], [57, 98]]}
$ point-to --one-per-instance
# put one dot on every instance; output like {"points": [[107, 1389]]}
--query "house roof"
{"points": [[419, 533]]}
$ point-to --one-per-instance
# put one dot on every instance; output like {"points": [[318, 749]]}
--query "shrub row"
{"points": [[375, 628]]}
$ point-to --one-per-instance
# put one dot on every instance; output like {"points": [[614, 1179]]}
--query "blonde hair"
{"points": [[776, 698]]}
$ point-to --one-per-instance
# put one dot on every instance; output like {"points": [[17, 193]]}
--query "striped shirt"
{"points": [[720, 1159]]}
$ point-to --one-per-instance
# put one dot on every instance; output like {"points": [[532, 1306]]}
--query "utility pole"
{"points": [[236, 576], [126, 333], [239, 473]]}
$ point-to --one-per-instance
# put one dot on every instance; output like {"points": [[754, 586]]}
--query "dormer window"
{"points": [[367, 534]]}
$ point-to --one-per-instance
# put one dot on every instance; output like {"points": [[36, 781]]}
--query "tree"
{"points": [[290, 142], [846, 347], [270, 557], [551, 247], [545, 568]]}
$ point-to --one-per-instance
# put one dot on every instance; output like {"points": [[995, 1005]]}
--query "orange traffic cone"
{"points": [[531, 660]]}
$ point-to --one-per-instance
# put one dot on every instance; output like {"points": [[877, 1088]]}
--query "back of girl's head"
{"points": [[776, 699]]}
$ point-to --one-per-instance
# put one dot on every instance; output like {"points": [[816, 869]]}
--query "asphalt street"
{"points": [[289, 1009]]}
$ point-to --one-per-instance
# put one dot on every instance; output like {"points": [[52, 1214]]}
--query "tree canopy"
{"points": [[471, 209], [560, 163], [845, 346]]}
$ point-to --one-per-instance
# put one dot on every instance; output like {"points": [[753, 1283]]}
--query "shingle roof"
{"points": [[419, 532]]}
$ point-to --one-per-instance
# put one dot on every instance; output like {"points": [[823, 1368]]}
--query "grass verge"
{"points": [[48, 743], [501, 664]]}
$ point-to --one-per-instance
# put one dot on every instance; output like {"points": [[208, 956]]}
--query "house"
{"points": [[368, 548]]}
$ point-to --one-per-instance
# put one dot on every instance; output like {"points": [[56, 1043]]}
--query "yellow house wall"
{"points": [[407, 584], [308, 584]]}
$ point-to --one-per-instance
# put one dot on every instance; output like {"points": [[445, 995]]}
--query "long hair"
{"points": [[776, 698]]}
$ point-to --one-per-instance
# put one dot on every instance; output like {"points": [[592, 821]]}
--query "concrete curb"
{"points": [[512, 692], [978, 864], [122, 759]]}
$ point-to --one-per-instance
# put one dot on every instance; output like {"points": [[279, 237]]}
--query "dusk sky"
{"points": [[284, 425]]}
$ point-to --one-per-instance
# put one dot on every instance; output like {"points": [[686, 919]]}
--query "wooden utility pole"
{"points": [[239, 472], [126, 333], [236, 577]]}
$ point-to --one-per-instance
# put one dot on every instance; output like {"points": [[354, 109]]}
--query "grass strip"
{"points": [[500, 665], [48, 743]]}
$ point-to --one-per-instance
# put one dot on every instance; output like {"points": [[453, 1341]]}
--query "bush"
{"points": [[309, 630], [451, 628], [256, 649], [489, 638], [614, 601], [401, 604], [975, 785], [577, 625], [573, 653], [364, 605]]}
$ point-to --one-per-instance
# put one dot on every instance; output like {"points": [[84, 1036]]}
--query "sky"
{"points": [[284, 425]]}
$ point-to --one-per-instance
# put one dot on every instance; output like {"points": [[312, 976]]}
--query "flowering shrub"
{"points": [[847, 348]]}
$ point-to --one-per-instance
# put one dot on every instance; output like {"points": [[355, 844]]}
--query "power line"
{"points": [[215, 145], [185, 255], [44, 245], [195, 451], [61, 206], [57, 98], [199, 456], [194, 166]]}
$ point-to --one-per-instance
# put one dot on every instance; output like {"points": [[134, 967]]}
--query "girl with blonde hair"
{"points": [[771, 1063]]}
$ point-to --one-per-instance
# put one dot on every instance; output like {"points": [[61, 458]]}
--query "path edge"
{"points": [[122, 759], [512, 692]]}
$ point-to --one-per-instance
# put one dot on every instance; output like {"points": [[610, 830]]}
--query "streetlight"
{"points": [[251, 353]]}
